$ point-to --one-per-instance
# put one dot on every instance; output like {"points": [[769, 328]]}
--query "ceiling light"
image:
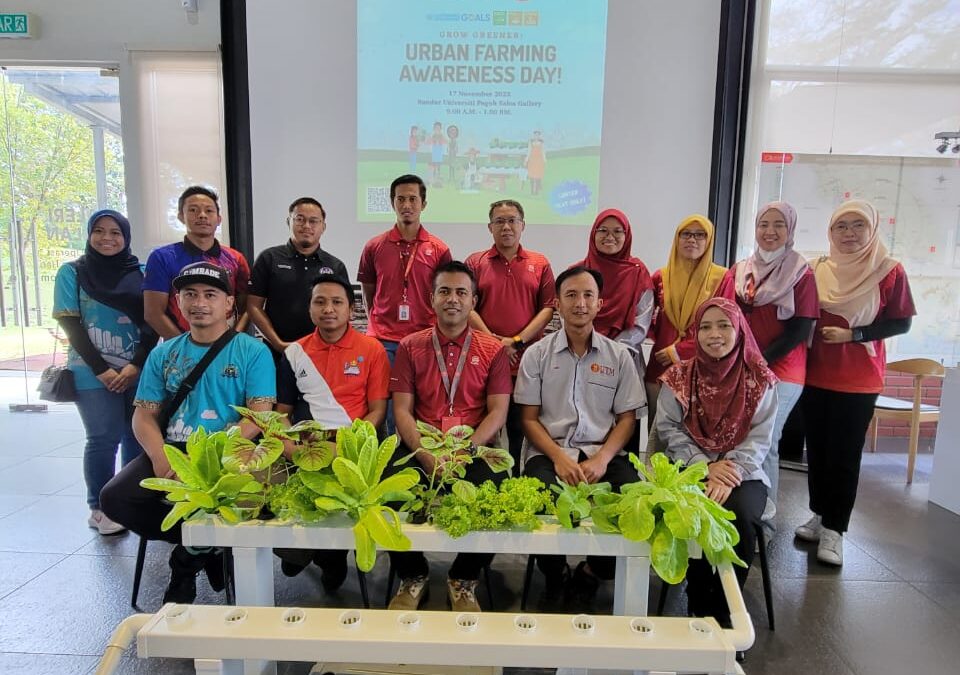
{"points": [[942, 148]]}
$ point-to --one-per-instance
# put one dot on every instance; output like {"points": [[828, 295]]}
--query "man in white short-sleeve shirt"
{"points": [[580, 392]]}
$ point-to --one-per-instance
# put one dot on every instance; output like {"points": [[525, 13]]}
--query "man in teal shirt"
{"points": [[241, 374]]}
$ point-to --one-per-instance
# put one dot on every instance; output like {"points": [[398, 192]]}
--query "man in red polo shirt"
{"points": [[516, 296], [334, 376], [448, 375], [396, 270]]}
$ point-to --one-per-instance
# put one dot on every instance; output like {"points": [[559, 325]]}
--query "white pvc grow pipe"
{"points": [[742, 634], [122, 636]]}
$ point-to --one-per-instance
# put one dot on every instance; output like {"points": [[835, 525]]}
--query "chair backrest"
{"points": [[921, 367]]}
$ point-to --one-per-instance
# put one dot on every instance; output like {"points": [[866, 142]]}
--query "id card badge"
{"points": [[448, 422], [403, 312]]}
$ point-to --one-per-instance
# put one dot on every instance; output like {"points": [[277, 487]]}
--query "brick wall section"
{"points": [[901, 386]]}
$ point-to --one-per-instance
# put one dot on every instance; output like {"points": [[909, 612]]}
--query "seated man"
{"points": [[334, 376], [242, 373], [448, 375], [579, 391]]}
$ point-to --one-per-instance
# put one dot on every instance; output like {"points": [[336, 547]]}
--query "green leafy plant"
{"points": [[207, 484], [452, 452], [355, 488], [574, 502], [669, 509], [515, 504]]}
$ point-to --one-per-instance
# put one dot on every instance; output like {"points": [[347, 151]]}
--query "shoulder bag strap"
{"points": [[190, 381]]}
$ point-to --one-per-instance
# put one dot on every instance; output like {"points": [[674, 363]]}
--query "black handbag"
{"points": [[56, 382]]}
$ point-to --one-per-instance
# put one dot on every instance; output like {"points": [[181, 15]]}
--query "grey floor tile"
{"points": [[56, 524], [13, 503], [13, 663], [77, 489], [40, 476], [20, 568], [946, 595], [73, 449]]}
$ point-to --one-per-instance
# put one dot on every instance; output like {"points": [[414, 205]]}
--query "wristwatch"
{"points": [[857, 334], [518, 342]]}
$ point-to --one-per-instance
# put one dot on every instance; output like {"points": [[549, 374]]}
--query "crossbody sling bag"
{"points": [[190, 381]]}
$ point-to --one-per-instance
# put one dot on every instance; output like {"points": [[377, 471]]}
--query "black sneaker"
{"points": [[184, 567], [334, 566], [291, 569]]}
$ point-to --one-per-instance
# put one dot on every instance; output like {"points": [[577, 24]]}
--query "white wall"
{"points": [[102, 32], [661, 83]]}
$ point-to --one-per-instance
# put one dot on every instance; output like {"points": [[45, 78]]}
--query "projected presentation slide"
{"points": [[484, 101]]}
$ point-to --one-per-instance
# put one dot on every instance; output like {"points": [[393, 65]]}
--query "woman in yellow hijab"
{"points": [[689, 279]]}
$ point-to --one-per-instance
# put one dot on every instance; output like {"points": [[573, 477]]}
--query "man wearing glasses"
{"points": [[516, 296], [282, 277]]}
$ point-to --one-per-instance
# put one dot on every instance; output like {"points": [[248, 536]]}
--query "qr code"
{"points": [[378, 200]]}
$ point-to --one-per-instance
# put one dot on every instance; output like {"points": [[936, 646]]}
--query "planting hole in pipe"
{"points": [[525, 623], [293, 617], [177, 616], [409, 620], [583, 624], [641, 626], [467, 621], [235, 615], [350, 619], [701, 628]]}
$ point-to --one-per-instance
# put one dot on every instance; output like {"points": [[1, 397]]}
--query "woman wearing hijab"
{"points": [[689, 279], [98, 302], [627, 287], [777, 294], [719, 407], [864, 298]]}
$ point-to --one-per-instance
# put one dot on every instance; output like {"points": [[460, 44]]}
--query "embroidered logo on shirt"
{"points": [[601, 369], [302, 373], [284, 267], [325, 270], [352, 367], [474, 360], [530, 268], [231, 370], [428, 250]]}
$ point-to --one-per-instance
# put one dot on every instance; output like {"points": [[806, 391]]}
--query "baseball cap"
{"points": [[204, 273]]}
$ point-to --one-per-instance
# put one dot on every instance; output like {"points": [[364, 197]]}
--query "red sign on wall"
{"points": [[776, 157]]}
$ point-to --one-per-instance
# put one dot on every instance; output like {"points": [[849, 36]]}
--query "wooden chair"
{"points": [[916, 412]]}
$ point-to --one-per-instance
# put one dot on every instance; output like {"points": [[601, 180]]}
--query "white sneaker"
{"points": [[810, 530], [102, 524], [830, 550]]}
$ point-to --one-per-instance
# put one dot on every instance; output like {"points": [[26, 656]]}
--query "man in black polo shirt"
{"points": [[282, 277]]}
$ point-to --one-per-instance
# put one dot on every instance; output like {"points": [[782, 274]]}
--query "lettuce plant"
{"points": [[355, 488], [575, 502], [669, 508], [513, 505], [452, 452]]}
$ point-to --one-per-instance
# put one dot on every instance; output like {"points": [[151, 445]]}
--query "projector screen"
{"points": [[568, 106], [480, 106]]}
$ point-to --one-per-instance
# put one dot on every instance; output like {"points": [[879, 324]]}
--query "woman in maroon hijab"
{"points": [[719, 407]]}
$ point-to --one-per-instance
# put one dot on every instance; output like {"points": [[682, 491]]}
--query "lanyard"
{"points": [[406, 271], [451, 388]]}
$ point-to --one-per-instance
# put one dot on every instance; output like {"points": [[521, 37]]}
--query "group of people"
{"points": [[451, 343]]}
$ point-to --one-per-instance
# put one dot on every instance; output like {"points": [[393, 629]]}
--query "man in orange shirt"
{"points": [[334, 376]]}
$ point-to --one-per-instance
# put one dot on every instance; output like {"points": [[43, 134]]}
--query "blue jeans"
{"points": [[107, 420], [788, 394], [391, 348]]}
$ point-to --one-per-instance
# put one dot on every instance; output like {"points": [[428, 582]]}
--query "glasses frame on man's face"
{"points": [[300, 220], [512, 221]]}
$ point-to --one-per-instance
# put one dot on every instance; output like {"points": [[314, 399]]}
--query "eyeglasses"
{"points": [[697, 235], [842, 228], [301, 220], [500, 222], [603, 233]]}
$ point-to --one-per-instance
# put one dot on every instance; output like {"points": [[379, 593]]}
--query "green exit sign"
{"points": [[20, 25]]}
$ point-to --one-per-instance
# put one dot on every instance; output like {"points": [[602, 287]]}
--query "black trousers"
{"points": [[409, 564], [835, 426], [704, 590], [138, 509], [619, 472], [514, 428]]}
